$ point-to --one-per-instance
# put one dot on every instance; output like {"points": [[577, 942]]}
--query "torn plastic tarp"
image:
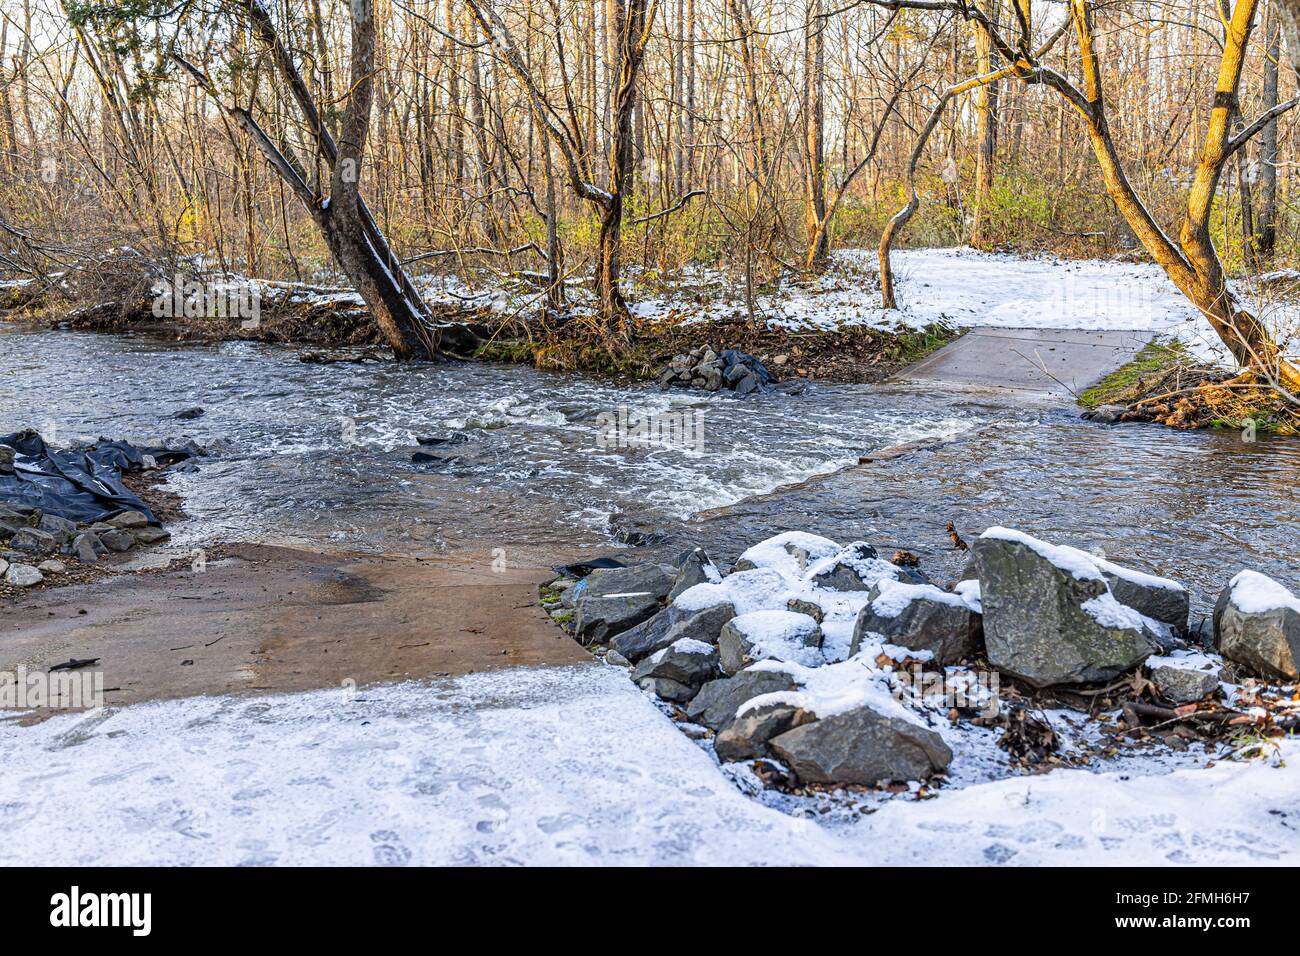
{"points": [[80, 484]]}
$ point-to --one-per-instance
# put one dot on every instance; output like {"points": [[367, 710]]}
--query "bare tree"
{"points": [[1191, 261]]}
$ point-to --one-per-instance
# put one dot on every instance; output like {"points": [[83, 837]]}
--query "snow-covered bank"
{"points": [[968, 288], [552, 765]]}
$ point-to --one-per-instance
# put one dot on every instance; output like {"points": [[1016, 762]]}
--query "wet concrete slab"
{"points": [[1044, 361]]}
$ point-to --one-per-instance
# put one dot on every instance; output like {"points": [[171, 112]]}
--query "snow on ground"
{"points": [[553, 766], [967, 288]]}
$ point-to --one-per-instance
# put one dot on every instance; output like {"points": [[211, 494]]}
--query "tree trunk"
{"points": [[986, 112], [1261, 252], [818, 250]]}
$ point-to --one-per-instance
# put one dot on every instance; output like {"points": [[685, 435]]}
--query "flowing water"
{"points": [[322, 455]]}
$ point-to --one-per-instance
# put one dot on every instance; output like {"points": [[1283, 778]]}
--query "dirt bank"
{"points": [[261, 618]]}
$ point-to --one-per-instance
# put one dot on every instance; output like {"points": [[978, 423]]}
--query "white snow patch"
{"points": [[687, 645], [1108, 612], [970, 593], [1078, 563], [1188, 661], [834, 689], [780, 635], [895, 596], [558, 766], [1255, 593]]}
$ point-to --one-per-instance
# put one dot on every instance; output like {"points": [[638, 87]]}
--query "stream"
{"points": [[322, 455]]}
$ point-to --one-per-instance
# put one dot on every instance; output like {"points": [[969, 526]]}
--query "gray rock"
{"points": [[7, 455], [745, 738], [670, 626], [118, 539], [1183, 685], [59, 527], [130, 520], [667, 689], [598, 618], [33, 541], [747, 384], [950, 631], [862, 747], [86, 547], [150, 535], [814, 611], [684, 662], [1035, 625], [51, 566], [1166, 605], [1105, 414], [614, 657], [614, 600], [4, 566], [23, 576], [716, 704], [690, 572], [1265, 641], [736, 649], [841, 576], [11, 521]]}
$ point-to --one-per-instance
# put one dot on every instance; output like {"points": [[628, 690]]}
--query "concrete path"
{"points": [[1046, 361]]}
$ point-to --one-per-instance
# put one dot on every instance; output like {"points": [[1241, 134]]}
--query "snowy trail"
{"points": [[551, 766]]}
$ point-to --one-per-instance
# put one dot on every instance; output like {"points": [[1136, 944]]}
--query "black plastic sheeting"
{"points": [[80, 484]]}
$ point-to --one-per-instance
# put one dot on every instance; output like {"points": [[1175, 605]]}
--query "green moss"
{"points": [[1125, 384]]}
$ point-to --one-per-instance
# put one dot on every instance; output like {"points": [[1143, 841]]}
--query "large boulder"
{"points": [[1257, 624], [861, 746], [920, 617], [1049, 615], [616, 599], [716, 704], [779, 635], [671, 625], [686, 662], [746, 737]]}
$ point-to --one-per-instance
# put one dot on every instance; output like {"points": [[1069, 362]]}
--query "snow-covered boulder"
{"points": [[716, 704], [1257, 624], [855, 568], [759, 635], [1049, 615], [861, 746], [687, 663], [1185, 676], [920, 617]]}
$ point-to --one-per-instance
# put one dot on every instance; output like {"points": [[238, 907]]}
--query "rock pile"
{"points": [[712, 371], [29, 539], [796, 656]]}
